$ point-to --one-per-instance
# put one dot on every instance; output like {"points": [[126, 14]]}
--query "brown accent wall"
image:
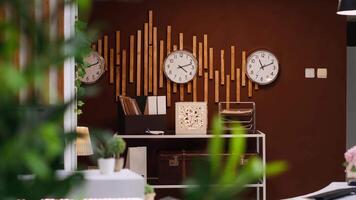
{"points": [[304, 119]]}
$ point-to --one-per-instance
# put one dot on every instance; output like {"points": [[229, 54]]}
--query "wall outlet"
{"points": [[309, 73], [322, 73]]}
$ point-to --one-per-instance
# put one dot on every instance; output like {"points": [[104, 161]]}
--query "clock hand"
{"points": [[93, 64], [260, 63], [186, 65], [182, 68], [268, 65]]}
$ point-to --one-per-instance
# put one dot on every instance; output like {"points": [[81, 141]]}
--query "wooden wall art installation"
{"points": [[140, 65]]}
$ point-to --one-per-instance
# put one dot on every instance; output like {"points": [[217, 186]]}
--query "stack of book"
{"points": [[129, 106]]}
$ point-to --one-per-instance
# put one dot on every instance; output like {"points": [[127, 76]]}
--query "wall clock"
{"points": [[262, 67], [95, 68], [180, 66]]}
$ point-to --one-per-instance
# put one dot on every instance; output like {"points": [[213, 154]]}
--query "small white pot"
{"points": [[150, 196], [119, 164], [106, 165]]}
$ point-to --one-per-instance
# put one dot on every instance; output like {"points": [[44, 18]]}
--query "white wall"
{"points": [[351, 97]]}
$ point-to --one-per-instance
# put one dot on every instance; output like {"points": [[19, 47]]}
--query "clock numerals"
{"points": [[262, 67], [171, 60]]}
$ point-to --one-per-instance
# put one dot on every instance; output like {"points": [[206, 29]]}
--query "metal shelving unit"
{"points": [[260, 149]]}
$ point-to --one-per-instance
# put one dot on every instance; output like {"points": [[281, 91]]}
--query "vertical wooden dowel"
{"points": [[132, 58], [138, 63], [118, 48], [169, 43], [123, 73], [227, 92], [100, 48], [189, 86], [238, 85], [161, 57], [222, 67], [249, 88], [217, 86], [206, 86], [169, 39], [181, 92], [117, 82], [150, 69], [243, 69], [150, 26], [232, 63], [200, 55], [256, 86], [175, 84], [205, 51], [106, 53], [145, 60], [195, 98], [181, 86], [155, 67], [211, 63], [112, 70]]}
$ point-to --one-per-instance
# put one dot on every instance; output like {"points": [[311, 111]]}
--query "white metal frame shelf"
{"points": [[261, 185]]}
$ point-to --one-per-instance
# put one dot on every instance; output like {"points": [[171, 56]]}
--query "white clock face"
{"points": [[180, 66], [95, 68], [262, 67]]}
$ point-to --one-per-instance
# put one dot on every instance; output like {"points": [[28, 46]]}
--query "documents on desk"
{"points": [[331, 187]]}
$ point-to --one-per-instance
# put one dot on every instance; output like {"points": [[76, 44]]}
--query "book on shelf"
{"points": [[129, 106]]}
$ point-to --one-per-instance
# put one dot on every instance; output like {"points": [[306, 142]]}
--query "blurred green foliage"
{"points": [[107, 145], [31, 132], [215, 179]]}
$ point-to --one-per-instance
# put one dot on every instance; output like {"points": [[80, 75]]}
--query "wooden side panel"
{"points": [[161, 60], [124, 74], [145, 60], [189, 87], [256, 86], [232, 62], [155, 67], [138, 63], [181, 86], [217, 86], [222, 67], [132, 58], [169, 39], [118, 48]]}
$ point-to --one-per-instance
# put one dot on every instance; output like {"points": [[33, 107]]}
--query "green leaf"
{"points": [[216, 145]]}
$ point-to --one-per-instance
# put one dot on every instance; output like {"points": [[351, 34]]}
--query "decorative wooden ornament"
{"points": [[132, 58], [138, 63]]}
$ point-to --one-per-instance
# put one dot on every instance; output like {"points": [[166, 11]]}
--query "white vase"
{"points": [[106, 165], [119, 164]]}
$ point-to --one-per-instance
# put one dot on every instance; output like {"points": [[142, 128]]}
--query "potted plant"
{"points": [[350, 157], [149, 192], [108, 148]]}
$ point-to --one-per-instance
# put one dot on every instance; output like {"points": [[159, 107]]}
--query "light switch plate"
{"points": [[322, 73], [309, 73]]}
